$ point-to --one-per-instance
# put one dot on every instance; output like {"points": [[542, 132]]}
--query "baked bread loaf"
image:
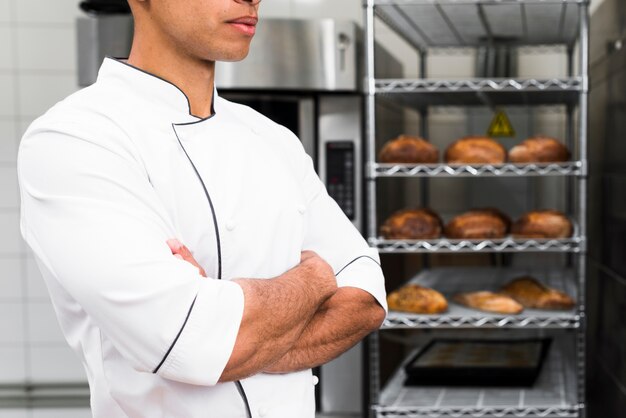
{"points": [[532, 294], [542, 224], [475, 150], [417, 299], [487, 223], [539, 149], [409, 149], [489, 302], [412, 224]]}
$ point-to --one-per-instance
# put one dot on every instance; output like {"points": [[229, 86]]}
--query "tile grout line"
{"points": [[17, 127]]}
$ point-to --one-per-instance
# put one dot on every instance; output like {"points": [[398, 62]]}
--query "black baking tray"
{"points": [[474, 362]]}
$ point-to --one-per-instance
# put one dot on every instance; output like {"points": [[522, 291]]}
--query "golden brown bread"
{"points": [[417, 299], [475, 150], [409, 149], [532, 294], [542, 224], [487, 223], [539, 149], [489, 302], [412, 224]]}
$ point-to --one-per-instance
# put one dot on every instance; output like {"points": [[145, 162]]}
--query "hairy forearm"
{"points": [[276, 312], [346, 318]]}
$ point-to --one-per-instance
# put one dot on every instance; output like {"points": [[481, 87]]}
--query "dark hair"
{"points": [[105, 6]]}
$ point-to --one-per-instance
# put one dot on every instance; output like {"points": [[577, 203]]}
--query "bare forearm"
{"points": [[276, 313], [346, 318]]}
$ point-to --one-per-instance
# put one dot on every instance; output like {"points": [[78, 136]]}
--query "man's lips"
{"points": [[246, 24]]}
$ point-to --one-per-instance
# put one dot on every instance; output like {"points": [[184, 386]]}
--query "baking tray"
{"points": [[474, 362]]}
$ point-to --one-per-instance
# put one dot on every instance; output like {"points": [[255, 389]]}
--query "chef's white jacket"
{"points": [[108, 175]]}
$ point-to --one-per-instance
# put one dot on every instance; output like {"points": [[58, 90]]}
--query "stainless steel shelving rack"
{"points": [[426, 24]]}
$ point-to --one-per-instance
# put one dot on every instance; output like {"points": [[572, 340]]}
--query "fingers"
{"points": [[178, 248], [174, 244], [181, 252], [306, 254]]}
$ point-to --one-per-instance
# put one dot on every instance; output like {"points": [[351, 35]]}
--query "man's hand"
{"points": [[182, 252], [318, 270]]}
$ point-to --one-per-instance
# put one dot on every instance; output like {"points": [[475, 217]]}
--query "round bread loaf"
{"points": [[410, 150], [539, 149], [487, 223], [543, 224], [412, 224], [417, 299], [475, 150]]}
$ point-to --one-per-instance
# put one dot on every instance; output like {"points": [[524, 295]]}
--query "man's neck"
{"points": [[194, 77]]}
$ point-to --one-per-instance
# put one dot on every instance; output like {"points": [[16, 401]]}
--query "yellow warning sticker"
{"points": [[501, 125]]}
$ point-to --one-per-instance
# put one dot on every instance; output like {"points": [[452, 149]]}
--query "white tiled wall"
{"points": [[37, 69]]}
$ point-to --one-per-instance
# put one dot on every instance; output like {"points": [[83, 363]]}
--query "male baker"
{"points": [[118, 176]]}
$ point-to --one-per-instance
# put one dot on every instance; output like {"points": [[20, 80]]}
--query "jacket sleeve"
{"points": [[330, 233], [90, 214]]}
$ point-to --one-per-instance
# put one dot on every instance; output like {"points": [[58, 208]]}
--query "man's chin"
{"points": [[234, 56]]}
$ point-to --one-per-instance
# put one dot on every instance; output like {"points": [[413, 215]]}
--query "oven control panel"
{"points": [[340, 175]]}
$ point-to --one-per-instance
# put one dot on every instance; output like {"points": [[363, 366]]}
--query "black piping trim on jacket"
{"points": [[206, 192], [243, 395], [119, 59], [180, 331], [361, 256], [238, 384]]}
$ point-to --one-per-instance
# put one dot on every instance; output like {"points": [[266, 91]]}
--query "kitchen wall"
{"points": [[38, 68]]}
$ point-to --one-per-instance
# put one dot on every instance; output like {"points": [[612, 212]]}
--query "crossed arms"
{"points": [[99, 229], [297, 320]]}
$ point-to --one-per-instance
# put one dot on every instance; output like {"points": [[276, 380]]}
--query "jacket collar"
{"points": [[163, 96]]}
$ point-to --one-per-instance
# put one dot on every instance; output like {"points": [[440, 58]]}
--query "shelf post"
{"points": [[370, 117], [582, 198], [373, 366]]}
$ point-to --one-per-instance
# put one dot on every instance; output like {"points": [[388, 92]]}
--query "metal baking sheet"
{"points": [[473, 362]]}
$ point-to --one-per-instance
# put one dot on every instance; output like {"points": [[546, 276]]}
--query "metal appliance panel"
{"points": [[339, 152], [289, 54], [98, 37], [340, 132]]}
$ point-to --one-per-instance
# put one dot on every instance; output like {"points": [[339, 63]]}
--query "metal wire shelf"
{"points": [[573, 168], [453, 280], [462, 23], [444, 245], [480, 91], [511, 411], [396, 321], [553, 395]]}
